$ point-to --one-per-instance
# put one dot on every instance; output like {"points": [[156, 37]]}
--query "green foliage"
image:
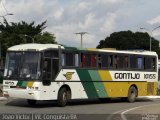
{"points": [[23, 32], [45, 37], [127, 40]]}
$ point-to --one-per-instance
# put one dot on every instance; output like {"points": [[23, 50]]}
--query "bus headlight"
{"points": [[5, 92]]}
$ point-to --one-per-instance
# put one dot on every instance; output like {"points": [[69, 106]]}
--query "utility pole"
{"points": [[150, 35], [81, 33], [30, 37]]}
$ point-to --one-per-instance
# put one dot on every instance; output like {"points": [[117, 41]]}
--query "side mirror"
{"points": [[46, 82]]}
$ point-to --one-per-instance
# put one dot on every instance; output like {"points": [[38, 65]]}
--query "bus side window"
{"points": [[153, 63], [76, 60], [93, 61], [88, 60], [116, 61], [110, 60], [83, 60], [63, 59], [133, 62], [99, 61], [147, 64], [121, 61], [140, 63], [69, 59], [126, 62], [104, 61]]}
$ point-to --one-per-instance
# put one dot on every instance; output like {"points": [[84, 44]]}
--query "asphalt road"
{"points": [[113, 108]]}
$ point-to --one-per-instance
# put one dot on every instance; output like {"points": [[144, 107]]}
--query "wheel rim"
{"points": [[64, 96], [133, 95]]}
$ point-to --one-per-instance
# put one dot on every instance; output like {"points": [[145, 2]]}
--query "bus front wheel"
{"points": [[132, 94], [62, 97], [31, 102]]}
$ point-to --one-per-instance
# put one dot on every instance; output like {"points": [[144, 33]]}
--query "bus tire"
{"points": [[62, 97], [132, 94], [31, 102]]}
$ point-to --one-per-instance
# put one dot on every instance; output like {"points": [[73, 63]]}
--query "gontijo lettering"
{"points": [[127, 76]]}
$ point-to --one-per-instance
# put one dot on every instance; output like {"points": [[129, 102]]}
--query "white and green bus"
{"points": [[55, 72]]}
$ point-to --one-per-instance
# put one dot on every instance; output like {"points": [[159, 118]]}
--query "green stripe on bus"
{"points": [[88, 86], [100, 88], [82, 48], [19, 83], [24, 84], [71, 48]]}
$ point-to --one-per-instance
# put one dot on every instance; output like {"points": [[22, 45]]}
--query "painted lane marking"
{"points": [[123, 112], [110, 117]]}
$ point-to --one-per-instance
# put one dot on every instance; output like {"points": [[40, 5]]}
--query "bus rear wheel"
{"points": [[31, 102], [63, 97], [132, 94]]}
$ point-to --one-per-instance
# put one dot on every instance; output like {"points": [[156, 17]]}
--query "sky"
{"points": [[99, 18]]}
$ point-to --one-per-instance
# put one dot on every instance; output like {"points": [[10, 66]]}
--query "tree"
{"points": [[45, 37], [127, 40], [23, 32]]}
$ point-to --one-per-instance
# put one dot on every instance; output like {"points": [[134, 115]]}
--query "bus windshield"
{"points": [[23, 65]]}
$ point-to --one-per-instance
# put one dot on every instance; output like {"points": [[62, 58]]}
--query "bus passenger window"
{"points": [[126, 62], [76, 60], [133, 62], [62, 57], [120, 60], [153, 63], [83, 59], [69, 59], [99, 61], [93, 61], [110, 61], [104, 61], [116, 61], [140, 63], [88, 60], [147, 64]]}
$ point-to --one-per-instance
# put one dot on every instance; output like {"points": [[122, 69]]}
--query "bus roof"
{"points": [[132, 52], [33, 47], [41, 47]]}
